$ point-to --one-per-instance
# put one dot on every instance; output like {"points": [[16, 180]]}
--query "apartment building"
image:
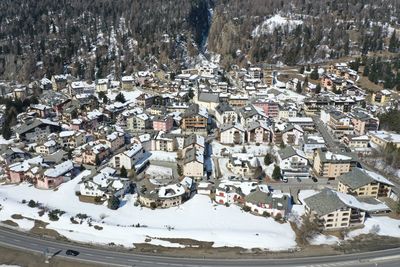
{"points": [[331, 165]]}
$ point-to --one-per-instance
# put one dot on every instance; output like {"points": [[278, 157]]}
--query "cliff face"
{"points": [[91, 39]]}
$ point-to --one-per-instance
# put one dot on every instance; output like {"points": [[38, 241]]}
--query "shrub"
{"points": [[266, 214], [246, 208], [32, 204], [72, 219], [81, 216]]}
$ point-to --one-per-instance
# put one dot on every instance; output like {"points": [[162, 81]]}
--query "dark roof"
{"points": [[324, 202], [223, 107], [357, 178], [208, 97]]}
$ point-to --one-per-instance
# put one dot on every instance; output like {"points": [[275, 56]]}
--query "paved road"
{"points": [[102, 256]]}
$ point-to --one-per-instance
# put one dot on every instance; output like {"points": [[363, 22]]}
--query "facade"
{"points": [[363, 183], [334, 210], [225, 114], [129, 158], [331, 165], [293, 163], [195, 120], [163, 123], [382, 138], [231, 134]]}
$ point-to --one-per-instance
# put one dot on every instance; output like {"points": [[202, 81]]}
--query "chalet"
{"points": [[293, 163]]}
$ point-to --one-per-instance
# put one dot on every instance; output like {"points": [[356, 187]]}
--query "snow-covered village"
{"points": [[255, 158]]}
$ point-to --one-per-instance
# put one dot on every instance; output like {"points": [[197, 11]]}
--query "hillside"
{"points": [[91, 39]]}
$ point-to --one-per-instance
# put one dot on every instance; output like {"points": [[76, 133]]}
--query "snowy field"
{"points": [[159, 171], [163, 156], [254, 150], [197, 219]]}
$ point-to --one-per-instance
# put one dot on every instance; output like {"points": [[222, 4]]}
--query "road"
{"points": [[107, 257]]}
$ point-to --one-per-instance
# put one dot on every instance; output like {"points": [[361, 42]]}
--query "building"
{"points": [[133, 158], [36, 129], [363, 122], [195, 120], [331, 165], [363, 183], [334, 210], [381, 97], [163, 123], [274, 204], [293, 163], [138, 122], [225, 114], [270, 107], [55, 176], [243, 164], [382, 138], [193, 163], [311, 143], [102, 85], [232, 134], [258, 132]]}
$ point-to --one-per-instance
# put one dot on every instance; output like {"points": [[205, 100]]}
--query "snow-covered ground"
{"points": [[380, 225], [276, 21], [159, 171], [130, 96], [255, 150], [163, 156], [197, 219]]}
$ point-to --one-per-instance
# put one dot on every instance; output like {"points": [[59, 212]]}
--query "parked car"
{"points": [[71, 252], [285, 180]]}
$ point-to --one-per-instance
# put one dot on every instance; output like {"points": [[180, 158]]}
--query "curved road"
{"points": [[102, 256]]}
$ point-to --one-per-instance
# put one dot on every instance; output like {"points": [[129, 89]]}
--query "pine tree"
{"points": [[6, 131], [276, 174], [120, 98], [97, 160], [318, 89], [305, 84], [314, 74], [113, 203], [366, 71], [123, 172], [268, 159], [393, 43], [299, 90]]}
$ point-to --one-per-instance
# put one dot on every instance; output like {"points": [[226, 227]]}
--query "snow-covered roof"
{"points": [[59, 169]]}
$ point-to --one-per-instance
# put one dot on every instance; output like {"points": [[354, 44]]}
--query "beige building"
{"points": [[382, 138], [363, 183], [331, 165], [194, 163], [334, 210]]}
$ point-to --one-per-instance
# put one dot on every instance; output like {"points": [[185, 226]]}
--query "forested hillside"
{"points": [[91, 39]]}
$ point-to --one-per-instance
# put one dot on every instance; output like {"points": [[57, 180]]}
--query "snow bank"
{"points": [[277, 21], [163, 156], [383, 226], [197, 219]]}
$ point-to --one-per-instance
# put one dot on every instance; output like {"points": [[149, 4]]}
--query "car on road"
{"points": [[71, 252], [285, 180]]}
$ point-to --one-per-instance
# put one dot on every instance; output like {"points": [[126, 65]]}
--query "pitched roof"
{"points": [[359, 177]]}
